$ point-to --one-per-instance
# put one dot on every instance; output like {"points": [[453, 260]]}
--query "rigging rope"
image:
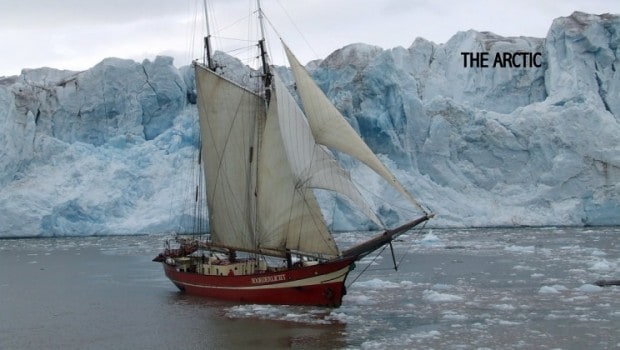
{"points": [[409, 248], [296, 28], [369, 264], [419, 229]]}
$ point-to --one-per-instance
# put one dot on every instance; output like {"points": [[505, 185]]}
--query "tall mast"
{"points": [[263, 53], [260, 126], [207, 52], [260, 20]]}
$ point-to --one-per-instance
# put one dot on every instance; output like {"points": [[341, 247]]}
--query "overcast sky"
{"points": [[77, 34]]}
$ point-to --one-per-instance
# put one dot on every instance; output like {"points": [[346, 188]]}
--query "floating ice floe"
{"points": [[437, 297], [555, 289]]}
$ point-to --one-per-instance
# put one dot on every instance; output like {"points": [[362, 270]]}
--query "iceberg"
{"points": [[105, 151]]}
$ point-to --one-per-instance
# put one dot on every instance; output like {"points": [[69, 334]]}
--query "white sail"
{"points": [[312, 165], [261, 166], [288, 213], [228, 115], [331, 129], [262, 163]]}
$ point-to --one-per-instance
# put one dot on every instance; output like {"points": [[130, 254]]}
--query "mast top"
{"points": [[263, 53], [260, 20], [207, 50]]}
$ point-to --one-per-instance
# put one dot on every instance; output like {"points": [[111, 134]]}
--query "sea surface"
{"points": [[526, 288]]}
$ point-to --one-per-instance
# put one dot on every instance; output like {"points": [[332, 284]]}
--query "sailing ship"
{"points": [[263, 155]]}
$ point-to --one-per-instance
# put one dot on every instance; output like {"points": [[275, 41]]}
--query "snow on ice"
{"points": [[104, 151]]}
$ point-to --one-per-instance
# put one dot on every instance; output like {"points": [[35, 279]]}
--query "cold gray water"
{"points": [[454, 289]]}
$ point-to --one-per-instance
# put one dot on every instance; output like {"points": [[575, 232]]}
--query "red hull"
{"points": [[319, 285]]}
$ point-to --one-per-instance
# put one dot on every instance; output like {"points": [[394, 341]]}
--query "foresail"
{"points": [[289, 215], [331, 129], [228, 115]]}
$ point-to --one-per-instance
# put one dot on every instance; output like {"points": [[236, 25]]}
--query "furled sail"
{"points": [[331, 129], [228, 115]]}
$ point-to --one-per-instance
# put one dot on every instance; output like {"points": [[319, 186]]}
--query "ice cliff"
{"points": [[105, 151]]}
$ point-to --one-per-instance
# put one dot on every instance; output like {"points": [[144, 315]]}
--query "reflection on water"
{"points": [[227, 325]]}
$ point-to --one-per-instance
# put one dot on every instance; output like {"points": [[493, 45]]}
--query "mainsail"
{"points": [[294, 164], [289, 214], [313, 165]]}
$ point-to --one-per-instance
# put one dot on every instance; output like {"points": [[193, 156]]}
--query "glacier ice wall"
{"points": [[104, 151], [495, 146], [95, 152]]}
